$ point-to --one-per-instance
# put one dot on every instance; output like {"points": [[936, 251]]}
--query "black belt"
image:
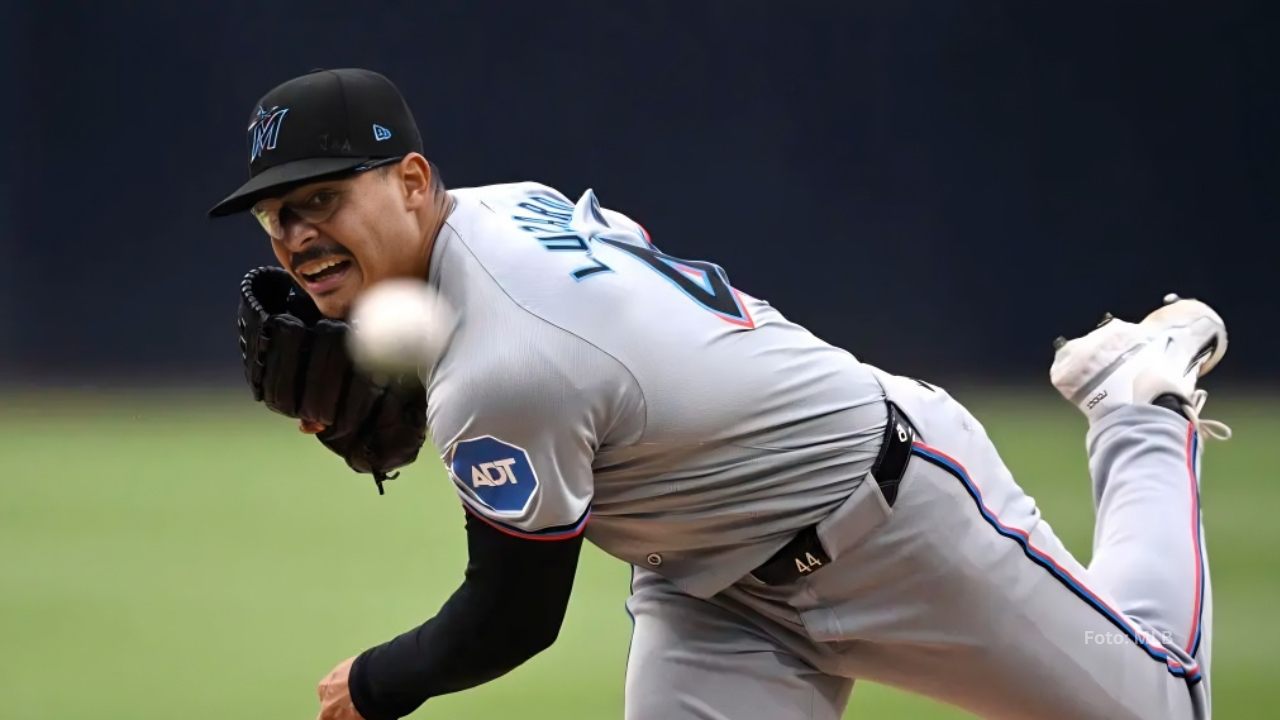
{"points": [[805, 554]]}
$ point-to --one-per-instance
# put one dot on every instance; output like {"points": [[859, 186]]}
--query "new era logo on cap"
{"points": [[380, 133]]}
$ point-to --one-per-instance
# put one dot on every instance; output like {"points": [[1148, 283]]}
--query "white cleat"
{"points": [[1122, 363]]}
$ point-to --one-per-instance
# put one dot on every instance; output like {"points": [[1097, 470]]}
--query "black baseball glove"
{"points": [[296, 362]]}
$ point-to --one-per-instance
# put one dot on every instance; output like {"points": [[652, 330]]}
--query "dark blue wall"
{"points": [[941, 187], [10, 53]]}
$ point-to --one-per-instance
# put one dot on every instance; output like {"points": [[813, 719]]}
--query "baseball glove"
{"points": [[296, 363]]}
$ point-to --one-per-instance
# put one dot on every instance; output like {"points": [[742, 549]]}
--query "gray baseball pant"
{"points": [[960, 592]]}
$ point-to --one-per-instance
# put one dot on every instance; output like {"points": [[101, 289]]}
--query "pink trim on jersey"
{"points": [[1195, 536], [750, 322]]}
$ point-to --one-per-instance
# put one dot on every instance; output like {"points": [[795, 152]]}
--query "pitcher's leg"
{"points": [[1059, 642], [1148, 542], [691, 659], [1137, 385], [967, 595], [969, 598]]}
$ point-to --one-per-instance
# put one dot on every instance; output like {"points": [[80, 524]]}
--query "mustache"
{"points": [[299, 259]]}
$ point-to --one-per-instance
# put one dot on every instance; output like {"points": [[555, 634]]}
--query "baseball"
{"points": [[399, 326]]}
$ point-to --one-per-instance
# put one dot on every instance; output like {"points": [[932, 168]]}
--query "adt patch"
{"points": [[498, 474]]}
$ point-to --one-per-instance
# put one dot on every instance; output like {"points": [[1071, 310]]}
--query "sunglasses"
{"points": [[274, 214]]}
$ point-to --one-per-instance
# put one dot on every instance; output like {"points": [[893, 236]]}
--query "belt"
{"points": [[804, 554]]}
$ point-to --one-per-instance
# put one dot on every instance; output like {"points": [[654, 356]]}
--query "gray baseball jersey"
{"points": [[596, 380]]}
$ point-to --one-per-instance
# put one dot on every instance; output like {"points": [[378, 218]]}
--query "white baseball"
{"points": [[399, 326]]}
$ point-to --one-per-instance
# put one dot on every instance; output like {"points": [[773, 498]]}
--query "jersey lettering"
{"points": [[548, 218], [493, 474]]}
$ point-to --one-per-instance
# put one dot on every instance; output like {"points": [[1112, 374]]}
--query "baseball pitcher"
{"points": [[795, 519]]}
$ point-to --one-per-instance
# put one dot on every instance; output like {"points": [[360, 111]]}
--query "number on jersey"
{"points": [[705, 283]]}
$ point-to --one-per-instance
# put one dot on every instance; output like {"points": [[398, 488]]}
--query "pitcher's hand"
{"points": [[335, 697], [310, 427]]}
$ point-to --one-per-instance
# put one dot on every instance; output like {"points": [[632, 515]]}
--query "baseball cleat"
{"points": [[1122, 363]]}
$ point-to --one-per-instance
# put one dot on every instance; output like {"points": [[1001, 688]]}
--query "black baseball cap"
{"points": [[324, 123]]}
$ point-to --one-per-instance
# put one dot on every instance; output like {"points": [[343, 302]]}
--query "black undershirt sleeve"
{"points": [[508, 609]]}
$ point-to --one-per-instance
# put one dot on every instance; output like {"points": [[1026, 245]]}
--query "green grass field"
{"points": [[192, 556]]}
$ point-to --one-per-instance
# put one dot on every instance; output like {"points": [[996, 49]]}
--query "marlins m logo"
{"points": [[265, 130]]}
